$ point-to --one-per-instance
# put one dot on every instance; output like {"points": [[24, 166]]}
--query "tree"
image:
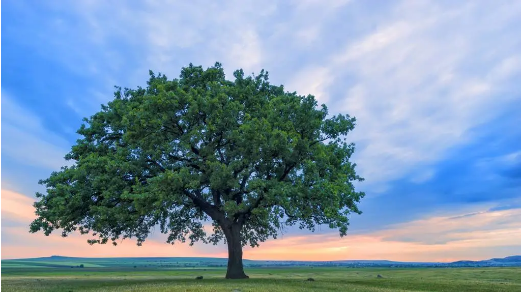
{"points": [[243, 155]]}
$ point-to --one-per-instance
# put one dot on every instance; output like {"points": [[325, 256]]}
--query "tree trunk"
{"points": [[235, 264]]}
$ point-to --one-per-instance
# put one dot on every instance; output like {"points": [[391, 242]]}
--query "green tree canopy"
{"points": [[244, 155]]}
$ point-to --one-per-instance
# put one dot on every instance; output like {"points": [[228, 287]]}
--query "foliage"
{"points": [[200, 148]]}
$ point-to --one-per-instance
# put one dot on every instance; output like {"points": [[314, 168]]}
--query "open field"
{"points": [[35, 277]]}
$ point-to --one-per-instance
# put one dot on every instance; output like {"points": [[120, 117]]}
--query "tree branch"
{"points": [[216, 198], [318, 141], [236, 172], [286, 172], [182, 159], [289, 216], [195, 150], [218, 146], [243, 215], [242, 190], [180, 128], [206, 207], [156, 163]]}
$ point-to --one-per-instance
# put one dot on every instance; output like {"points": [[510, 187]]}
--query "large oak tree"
{"points": [[243, 155]]}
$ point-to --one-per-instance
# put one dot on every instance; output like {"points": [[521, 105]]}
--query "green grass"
{"points": [[261, 279]]}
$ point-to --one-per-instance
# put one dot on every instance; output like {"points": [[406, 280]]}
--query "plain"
{"points": [[147, 275]]}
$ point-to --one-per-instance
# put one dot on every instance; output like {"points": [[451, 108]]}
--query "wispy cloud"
{"points": [[17, 206], [27, 141], [17, 242], [20, 244], [477, 227], [415, 95], [483, 234], [435, 87]]}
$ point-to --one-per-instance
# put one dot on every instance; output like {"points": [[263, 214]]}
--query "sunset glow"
{"points": [[439, 239], [435, 87]]}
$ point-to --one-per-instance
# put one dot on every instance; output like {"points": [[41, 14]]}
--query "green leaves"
{"points": [[200, 148]]}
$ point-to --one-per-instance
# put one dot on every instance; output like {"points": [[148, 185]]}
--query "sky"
{"points": [[435, 87]]}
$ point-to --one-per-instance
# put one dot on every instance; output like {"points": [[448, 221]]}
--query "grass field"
{"points": [[35, 278]]}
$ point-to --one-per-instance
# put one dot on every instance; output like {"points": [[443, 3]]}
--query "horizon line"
{"points": [[341, 260]]}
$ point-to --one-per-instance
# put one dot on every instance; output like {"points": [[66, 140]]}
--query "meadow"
{"points": [[68, 276]]}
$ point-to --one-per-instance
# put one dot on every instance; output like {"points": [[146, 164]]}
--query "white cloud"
{"points": [[308, 35], [506, 68], [167, 35], [423, 176], [417, 83], [481, 228], [319, 4], [244, 52], [415, 89], [418, 75], [27, 141], [475, 235], [314, 81], [375, 42]]}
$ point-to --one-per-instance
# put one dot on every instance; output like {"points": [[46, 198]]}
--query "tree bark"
{"points": [[235, 263]]}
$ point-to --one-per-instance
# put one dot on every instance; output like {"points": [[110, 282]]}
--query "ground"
{"points": [[41, 278]]}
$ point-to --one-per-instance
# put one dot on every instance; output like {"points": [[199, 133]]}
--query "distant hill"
{"points": [[180, 259], [514, 260], [57, 261]]}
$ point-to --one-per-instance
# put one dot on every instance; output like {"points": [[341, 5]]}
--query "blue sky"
{"points": [[435, 86]]}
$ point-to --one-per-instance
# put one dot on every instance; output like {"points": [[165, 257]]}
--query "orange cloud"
{"points": [[475, 236], [17, 206], [37, 245], [471, 236], [22, 244]]}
